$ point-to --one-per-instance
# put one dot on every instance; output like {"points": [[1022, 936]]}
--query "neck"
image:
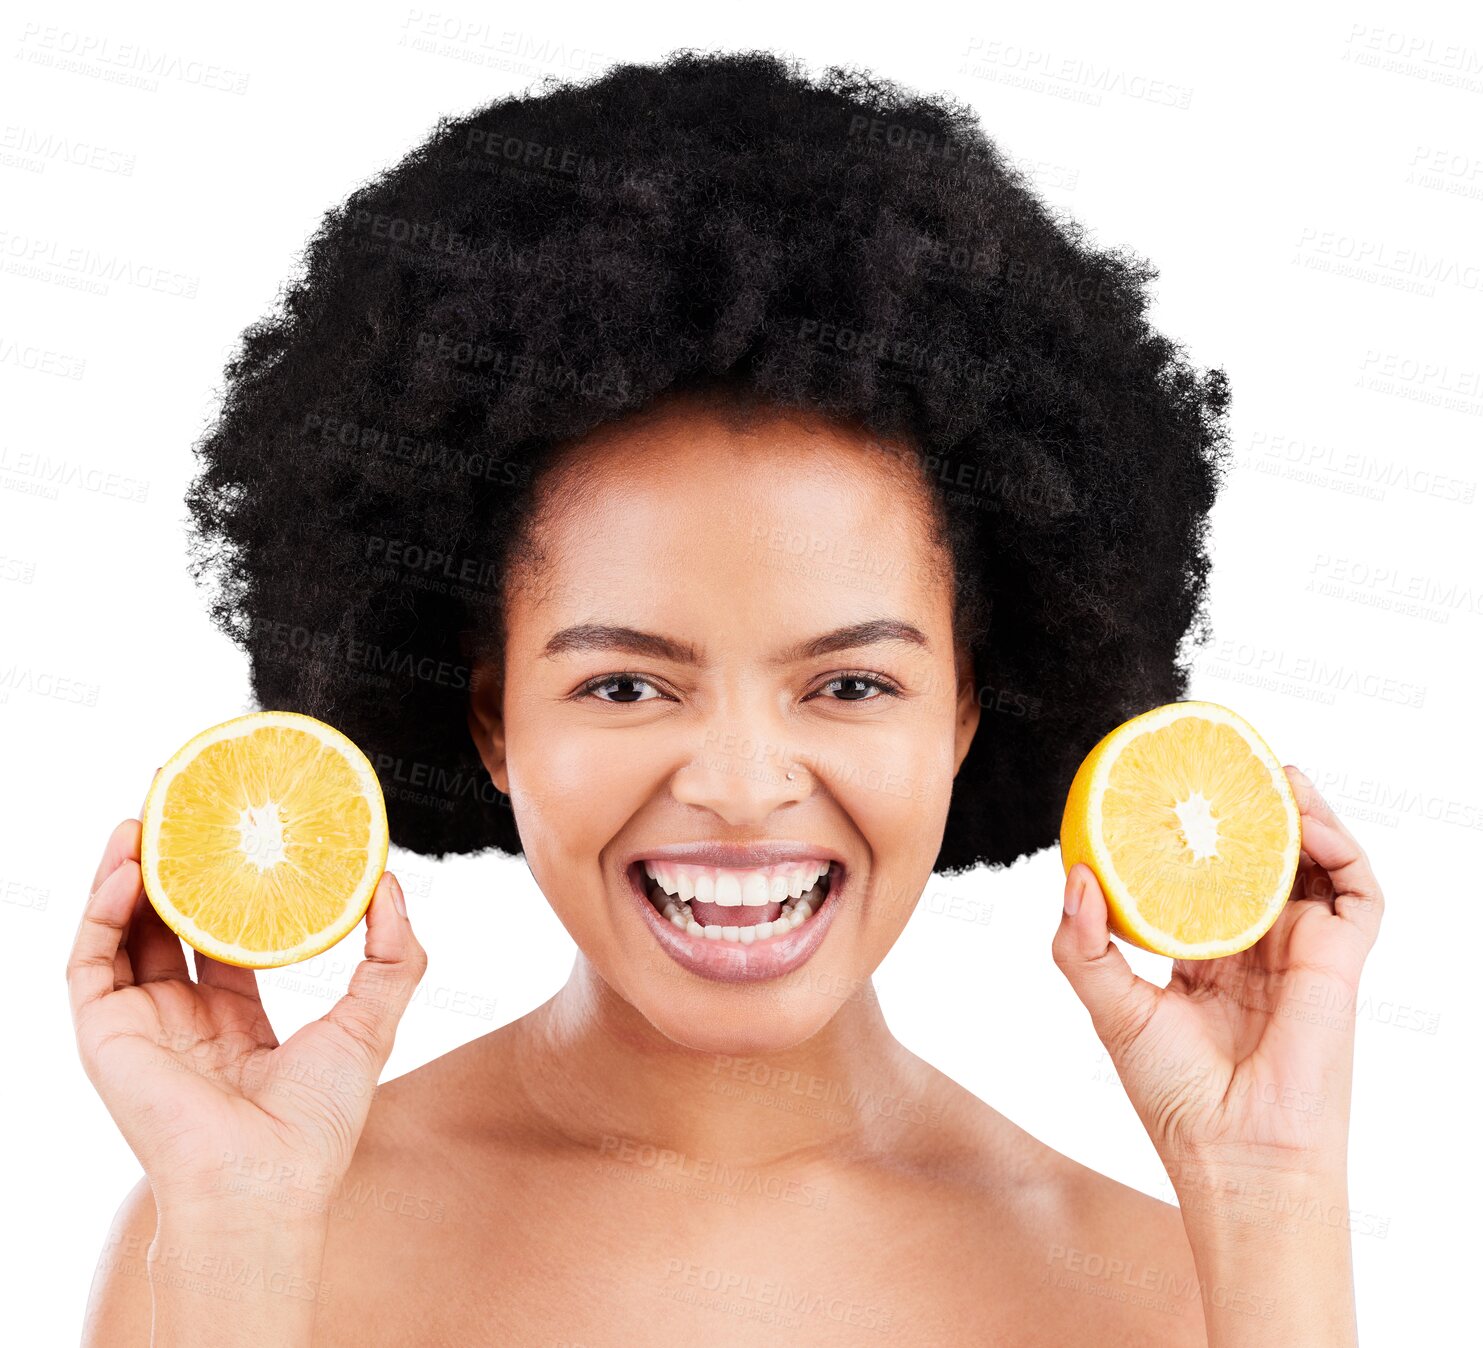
{"points": [[598, 1072]]}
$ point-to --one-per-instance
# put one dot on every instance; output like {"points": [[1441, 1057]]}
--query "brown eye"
{"points": [[624, 683], [857, 688]]}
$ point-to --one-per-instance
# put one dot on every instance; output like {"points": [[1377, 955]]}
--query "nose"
{"points": [[741, 777]]}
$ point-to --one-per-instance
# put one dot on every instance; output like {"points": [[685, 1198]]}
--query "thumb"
{"points": [[383, 983], [1120, 1003]]}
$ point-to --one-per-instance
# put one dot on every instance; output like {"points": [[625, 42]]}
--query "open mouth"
{"points": [[738, 906]]}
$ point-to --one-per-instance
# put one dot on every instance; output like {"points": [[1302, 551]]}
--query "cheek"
{"points": [[896, 790], [572, 793]]}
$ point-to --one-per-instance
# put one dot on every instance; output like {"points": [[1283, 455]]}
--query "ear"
{"points": [[487, 722], [969, 709]]}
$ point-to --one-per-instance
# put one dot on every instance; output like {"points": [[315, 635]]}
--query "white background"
{"points": [[1316, 212]]}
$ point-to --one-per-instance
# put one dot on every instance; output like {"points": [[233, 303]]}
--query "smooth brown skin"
{"points": [[831, 1188]]}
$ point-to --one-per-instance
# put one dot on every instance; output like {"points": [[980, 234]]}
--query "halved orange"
{"points": [[263, 839], [1188, 821]]}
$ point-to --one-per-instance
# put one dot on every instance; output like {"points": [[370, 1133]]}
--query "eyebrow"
{"points": [[614, 637]]}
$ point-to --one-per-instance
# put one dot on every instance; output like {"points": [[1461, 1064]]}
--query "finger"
{"points": [[123, 958], [1311, 884], [383, 983], [128, 838], [122, 845], [233, 977], [132, 830], [1357, 896], [90, 965], [1120, 1003], [155, 951]]}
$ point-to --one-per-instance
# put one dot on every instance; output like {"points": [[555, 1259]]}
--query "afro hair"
{"points": [[556, 260]]}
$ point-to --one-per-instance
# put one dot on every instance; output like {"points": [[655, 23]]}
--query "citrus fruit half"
{"points": [[1190, 825], [263, 839]]}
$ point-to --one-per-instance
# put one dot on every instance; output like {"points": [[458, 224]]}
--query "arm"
{"points": [[1240, 1071], [194, 1076], [247, 1277], [1272, 1252]]}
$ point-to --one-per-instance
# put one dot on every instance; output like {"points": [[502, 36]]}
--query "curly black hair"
{"points": [[559, 259]]}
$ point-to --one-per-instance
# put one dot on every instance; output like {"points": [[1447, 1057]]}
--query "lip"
{"points": [[768, 853], [726, 961]]}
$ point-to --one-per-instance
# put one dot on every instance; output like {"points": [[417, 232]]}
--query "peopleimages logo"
{"points": [[369, 655], [127, 63], [729, 1178], [426, 561]]}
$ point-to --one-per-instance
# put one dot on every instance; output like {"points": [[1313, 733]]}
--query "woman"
{"points": [[687, 481]]}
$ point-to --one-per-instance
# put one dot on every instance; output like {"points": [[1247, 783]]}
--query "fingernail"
{"points": [[397, 899], [1072, 900]]}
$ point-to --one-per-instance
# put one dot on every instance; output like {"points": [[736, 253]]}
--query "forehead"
{"points": [[787, 518]]}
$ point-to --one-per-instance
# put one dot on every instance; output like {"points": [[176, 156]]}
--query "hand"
{"points": [[1243, 1061], [192, 1072]]}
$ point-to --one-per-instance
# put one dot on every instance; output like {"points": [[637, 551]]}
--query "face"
{"points": [[731, 668]]}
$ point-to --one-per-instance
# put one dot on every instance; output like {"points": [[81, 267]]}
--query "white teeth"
{"points": [[728, 890], [805, 879], [731, 887], [797, 888], [794, 915]]}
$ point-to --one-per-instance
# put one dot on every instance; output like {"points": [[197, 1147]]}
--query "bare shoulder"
{"points": [[120, 1304], [410, 1162], [391, 1210], [1102, 1263], [401, 1220], [974, 1227]]}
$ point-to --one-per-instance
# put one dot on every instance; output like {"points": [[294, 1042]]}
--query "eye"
{"points": [[627, 688], [625, 682], [857, 684]]}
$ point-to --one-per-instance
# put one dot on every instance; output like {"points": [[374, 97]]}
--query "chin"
{"points": [[757, 1023]]}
